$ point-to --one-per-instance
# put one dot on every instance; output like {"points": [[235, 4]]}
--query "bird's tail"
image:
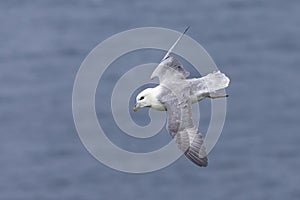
{"points": [[216, 81]]}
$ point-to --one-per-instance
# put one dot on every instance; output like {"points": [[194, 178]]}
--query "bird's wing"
{"points": [[208, 84], [169, 67], [180, 123], [173, 46], [169, 70]]}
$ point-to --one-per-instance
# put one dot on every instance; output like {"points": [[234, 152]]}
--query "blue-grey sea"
{"points": [[42, 45]]}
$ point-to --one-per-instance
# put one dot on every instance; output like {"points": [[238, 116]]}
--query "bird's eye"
{"points": [[141, 98]]}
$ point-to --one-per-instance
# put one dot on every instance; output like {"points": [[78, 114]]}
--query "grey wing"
{"points": [[181, 127], [201, 87], [169, 70]]}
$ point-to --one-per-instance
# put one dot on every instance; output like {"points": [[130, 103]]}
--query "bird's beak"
{"points": [[136, 107]]}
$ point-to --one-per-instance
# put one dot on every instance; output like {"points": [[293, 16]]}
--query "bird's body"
{"points": [[197, 92]]}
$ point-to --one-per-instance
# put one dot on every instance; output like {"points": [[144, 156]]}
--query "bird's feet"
{"points": [[215, 96]]}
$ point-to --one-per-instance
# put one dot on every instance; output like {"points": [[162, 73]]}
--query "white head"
{"points": [[143, 99]]}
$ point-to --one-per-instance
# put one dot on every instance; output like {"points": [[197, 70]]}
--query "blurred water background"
{"points": [[42, 44]]}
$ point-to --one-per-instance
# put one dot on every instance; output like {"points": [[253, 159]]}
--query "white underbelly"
{"points": [[159, 106]]}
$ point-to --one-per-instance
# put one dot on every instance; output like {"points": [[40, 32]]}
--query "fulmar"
{"points": [[175, 94]]}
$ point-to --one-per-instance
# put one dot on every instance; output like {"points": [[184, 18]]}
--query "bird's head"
{"points": [[143, 99]]}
